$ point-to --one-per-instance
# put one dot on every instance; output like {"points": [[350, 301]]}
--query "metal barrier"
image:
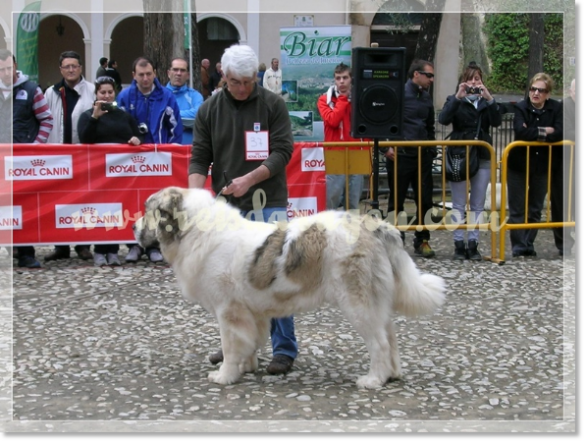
{"points": [[430, 225], [570, 186]]}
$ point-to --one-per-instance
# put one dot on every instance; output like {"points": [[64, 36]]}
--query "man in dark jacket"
{"points": [[22, 105], [418, 124]]}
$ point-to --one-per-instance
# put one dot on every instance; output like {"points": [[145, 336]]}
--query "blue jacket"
{"points": [[159, 111], [189, 101]]}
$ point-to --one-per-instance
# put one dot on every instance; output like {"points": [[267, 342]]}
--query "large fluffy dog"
{"points": [[245, 273]]}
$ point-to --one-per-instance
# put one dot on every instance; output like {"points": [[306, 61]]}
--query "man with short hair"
{"points": [[102, 69], [112, 71], [159, 119], [273, 78], [205, 78], [68, 99], [335, 110], [23, 105], [188, 99], [418, 124], [243, 109]]}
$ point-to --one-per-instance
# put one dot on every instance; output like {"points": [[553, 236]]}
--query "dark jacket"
{"points": [[418, 117], [525, 124], [116, 126], [25, 125], [464, 118], [219, 136]]}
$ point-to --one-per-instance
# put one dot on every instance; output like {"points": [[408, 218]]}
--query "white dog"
{"points": [[245, 273]]}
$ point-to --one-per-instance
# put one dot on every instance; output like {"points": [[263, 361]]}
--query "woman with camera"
{"points": [[471, 111], [106, 123]]}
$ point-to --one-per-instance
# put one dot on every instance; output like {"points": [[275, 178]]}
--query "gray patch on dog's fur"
{"points": [[304, 264], [263, 269]]}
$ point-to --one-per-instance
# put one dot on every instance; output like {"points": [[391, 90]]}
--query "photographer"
{"points": [[471, 111], [106, 123]]}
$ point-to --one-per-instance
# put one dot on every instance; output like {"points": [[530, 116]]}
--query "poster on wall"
{"points": [[308, 58]]}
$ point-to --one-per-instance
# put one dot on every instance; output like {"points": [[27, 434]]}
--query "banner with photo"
{"points": [[308, 58], [27, 39]]}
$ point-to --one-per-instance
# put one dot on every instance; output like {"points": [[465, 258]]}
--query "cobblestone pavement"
{"points": [[118, 349]]}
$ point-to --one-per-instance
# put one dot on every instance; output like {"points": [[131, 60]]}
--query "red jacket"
{"points": [[336, 118]]}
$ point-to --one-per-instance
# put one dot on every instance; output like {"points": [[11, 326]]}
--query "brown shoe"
{"points": [[58, 254], [216, 357], [281, 364], [85, 254]]}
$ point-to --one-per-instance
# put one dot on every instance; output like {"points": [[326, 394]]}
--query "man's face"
{"points": [[205, 63], [70, 70], [240, 87], [424, 78], [219, 67], [343, 82], [178, 74], [145, 77], [7, 71], [275, 64]]}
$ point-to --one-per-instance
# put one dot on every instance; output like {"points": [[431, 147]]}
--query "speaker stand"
{"points": [[374, 204]]}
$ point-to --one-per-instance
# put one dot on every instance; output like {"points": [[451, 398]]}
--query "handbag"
{"points": [[456, 165]]}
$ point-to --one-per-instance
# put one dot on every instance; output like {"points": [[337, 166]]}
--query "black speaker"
{"points": [[378, 90]]}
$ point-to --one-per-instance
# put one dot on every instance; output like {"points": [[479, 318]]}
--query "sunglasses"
{"points": [[427, 74], [540, 90]]}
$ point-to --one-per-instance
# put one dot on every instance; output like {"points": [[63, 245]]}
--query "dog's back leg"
{"points": [[239, 335], [371, 317]]}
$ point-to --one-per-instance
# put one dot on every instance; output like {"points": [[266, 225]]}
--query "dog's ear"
{"points": [[164, 213]]}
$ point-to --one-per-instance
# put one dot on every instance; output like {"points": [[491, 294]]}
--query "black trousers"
{"points": [[408, 175]]}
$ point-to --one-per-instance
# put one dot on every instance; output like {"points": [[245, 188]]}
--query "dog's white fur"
{"points": [[245, 273]]}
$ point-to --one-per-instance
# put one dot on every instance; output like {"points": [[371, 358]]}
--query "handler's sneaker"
{"points": [[216, 357], [281, 364], [424, 250]]}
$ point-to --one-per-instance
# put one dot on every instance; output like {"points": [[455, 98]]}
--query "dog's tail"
{"points": [[415, 293]]}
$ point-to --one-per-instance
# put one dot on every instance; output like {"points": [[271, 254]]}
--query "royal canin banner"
{"points": [[76, 194]]}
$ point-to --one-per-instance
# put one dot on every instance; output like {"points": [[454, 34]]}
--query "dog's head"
{"points": [[167, 217]]}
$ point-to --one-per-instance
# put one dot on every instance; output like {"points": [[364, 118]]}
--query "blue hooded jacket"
{"points": [[159, 111], [189, 101]]}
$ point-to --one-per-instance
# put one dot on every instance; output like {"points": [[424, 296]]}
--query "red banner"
{"points": [[75, 194]]}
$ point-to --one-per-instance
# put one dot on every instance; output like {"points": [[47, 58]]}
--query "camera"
{"points": [[108, 106], [473, 90], [143, 128]]}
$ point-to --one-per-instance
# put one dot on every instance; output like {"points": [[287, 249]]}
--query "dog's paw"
{"points": [[222, 378], [369, 382], [250, 365]]}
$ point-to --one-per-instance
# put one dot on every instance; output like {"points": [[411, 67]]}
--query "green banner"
{"points": [[27, 38]]}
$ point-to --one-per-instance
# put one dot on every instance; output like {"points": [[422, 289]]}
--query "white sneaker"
{"points": [[155, 256], [113, 259], [100, 259], [134, 254]]}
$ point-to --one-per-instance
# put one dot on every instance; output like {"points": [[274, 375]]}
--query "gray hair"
{"points": [[240, 61]]}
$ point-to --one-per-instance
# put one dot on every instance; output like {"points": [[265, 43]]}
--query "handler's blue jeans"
{"points": [[282, 329]]}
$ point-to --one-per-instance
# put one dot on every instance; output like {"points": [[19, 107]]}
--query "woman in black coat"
{"points": [[537, 118], [471, 111], [106, 123]]}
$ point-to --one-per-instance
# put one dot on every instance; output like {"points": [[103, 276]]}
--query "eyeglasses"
{"points": [[427, 74], [540, 90], [70, 67]]}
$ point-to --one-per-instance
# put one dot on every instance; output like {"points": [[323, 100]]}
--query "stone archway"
{"points": [[125, 50], [216, 32], [58, 33]]}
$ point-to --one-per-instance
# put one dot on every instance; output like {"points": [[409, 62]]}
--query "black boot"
{"points": [[473, 253], [460, 250]]}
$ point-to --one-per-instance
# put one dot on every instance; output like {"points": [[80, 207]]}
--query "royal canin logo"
{"points": [[38, 162]]}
